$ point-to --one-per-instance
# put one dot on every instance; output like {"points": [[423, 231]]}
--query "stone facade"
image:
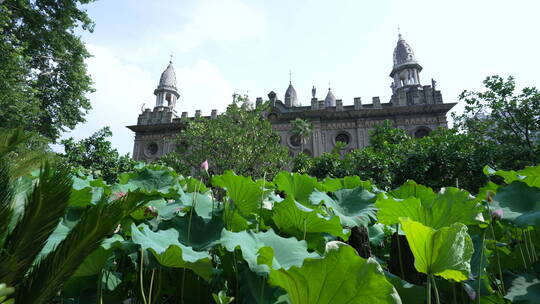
{"points": [[416, 108]]}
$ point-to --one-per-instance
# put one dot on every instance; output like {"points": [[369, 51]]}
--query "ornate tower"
{"points": [[291, 100], [406, 70], [166, 92], [330, 99]]}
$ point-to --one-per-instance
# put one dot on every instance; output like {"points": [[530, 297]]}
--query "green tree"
{"points": [[303, 129], [43, 77], [95, 155], [510, 121], [239, 139]]}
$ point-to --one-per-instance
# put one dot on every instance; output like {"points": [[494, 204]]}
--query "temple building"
{"points": [[414, 107]]}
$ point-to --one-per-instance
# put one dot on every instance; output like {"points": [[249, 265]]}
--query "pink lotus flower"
{"points": [[118, 195], [497, 214], [204, 165]]}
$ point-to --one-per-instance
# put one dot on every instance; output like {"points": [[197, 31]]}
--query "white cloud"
{"points": [[220, 21], [202, 87], [121, 90]]}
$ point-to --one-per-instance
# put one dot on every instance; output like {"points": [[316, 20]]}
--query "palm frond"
{"points": [[46, 278], [10, 139], [43, 209], [6, 197]]}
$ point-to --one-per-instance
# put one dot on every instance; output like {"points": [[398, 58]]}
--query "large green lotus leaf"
{"points": [[295, 219], [243, 191], [347, 182], [265, 250], [340, 277], [409, 293], [412, 189], [445, 252], [203, 233], [520, 203], [298, 186], [450, 206], [169, 252], [204, 203], [87, 190], [523, 288], [529, 175], [93, 264], [149, 179], [355, 207]]}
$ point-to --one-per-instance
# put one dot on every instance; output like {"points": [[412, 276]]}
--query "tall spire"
{"points": [[166, 91], [406, 70], [291, 99]]}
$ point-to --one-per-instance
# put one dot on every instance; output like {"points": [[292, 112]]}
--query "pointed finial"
{"points": [[399, 32], [290, 77], [328, 85], [171, 55]]}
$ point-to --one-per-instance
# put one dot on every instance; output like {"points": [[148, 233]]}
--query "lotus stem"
{"points": [[399, 252], [261, 298], [454, 298], [480, 267], [428, 290], [141, 276], [305, 229], [524, 238], [261, 207], [151, 283], [497, 255], [533, 251], [435, 289]]}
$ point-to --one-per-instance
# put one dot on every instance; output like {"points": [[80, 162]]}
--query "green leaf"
{"points": [[449, 206], [520, 203], [355, 207], [529, 175], [347, 182], [523, 288], [412, 189], [169, 252], [340, 277], [298, 186], [445, 252], [286, 252], [243, 191], [203, 233], [295, 219]]}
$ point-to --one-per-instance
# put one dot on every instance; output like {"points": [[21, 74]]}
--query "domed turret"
{"points": [[330, 99], [168, 78], [166, 92], [406, 70], [291, 100]]}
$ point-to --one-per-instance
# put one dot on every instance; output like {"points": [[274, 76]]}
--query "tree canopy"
{"points": [[240, 139], [43, 77]]}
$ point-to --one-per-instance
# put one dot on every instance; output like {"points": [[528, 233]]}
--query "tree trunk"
{"points": [[407, 261], [359, 240]]}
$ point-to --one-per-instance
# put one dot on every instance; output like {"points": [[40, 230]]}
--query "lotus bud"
{"points": [[204, 165]]}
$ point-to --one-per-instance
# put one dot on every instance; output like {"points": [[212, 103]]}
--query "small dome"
{"points": [[330, 99], [168, 78], [290, 94], [403, 53]]}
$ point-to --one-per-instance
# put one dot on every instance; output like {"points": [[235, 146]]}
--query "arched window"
{"points": [[422, 132]]}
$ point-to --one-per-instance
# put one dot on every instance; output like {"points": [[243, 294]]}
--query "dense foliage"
{"points": [[445, 157], [158, 237], [240, 139], [508, 121], [95, 156], [43, 77]]}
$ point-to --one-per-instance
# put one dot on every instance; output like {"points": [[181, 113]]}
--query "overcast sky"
{"points": [[225, 46]]}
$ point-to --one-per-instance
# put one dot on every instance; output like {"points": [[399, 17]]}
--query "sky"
{"points": [[221, 47]]}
